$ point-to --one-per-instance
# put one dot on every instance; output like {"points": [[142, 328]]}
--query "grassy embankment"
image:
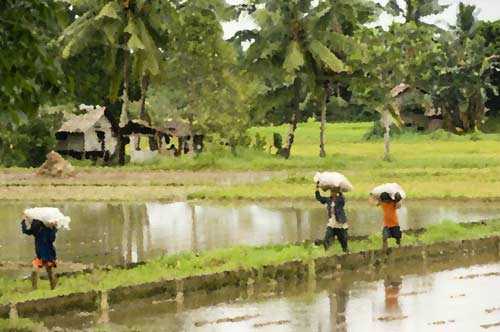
{"points": [[21, 324], [188, 264], [429, 166]]}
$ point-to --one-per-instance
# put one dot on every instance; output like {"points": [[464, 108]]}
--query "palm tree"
{"points": [[294, 49]]}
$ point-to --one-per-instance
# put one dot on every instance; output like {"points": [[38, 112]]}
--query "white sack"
{"points": [[49, 216], [332, 181], [390, 188]]}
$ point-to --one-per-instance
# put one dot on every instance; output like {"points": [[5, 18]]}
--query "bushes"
{"points": [[27, 144]]}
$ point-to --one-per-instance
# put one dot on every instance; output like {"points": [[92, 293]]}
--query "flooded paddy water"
{"points": [[455, 295], [105, 233]]}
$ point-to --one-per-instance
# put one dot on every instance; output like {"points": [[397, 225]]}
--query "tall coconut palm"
{"points": [[290, 51]]}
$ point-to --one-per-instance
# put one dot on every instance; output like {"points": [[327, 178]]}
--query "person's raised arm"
{"points": [[25, 229], [321, 199]]}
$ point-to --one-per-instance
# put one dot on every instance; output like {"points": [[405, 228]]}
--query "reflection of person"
{"points": [[338, 304], [392, 285], [44, 249], [337, 221], [391, 222]]}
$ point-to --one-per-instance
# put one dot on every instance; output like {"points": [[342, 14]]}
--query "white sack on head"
{"points": [[390, 188], [332, 181], [49, 216]]}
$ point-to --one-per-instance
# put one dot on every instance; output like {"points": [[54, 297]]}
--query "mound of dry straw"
{"points": [[56, 166]]}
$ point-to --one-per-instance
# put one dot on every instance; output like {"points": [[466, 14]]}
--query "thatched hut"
{"points": [[89, 135]]}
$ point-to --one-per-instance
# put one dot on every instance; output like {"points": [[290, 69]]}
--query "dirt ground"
{"points": [[120, 184]]}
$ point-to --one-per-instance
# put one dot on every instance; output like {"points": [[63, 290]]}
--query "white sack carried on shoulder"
{"points": [[390, 188], [49, 216], [332, 181]]}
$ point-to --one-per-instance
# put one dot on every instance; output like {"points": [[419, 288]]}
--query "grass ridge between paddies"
{"points": [[189, 264]]}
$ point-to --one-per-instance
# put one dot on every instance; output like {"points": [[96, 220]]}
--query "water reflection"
{"points": [[118, 233], [394, 303], [392, 284]]}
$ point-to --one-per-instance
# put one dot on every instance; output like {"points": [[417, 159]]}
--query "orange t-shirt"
{"points": [[390, 215]]}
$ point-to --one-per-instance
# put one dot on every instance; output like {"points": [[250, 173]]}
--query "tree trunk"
{"points": [[143, 115], [409, 11], [387, 143], [324, 102], [125, 99], [447, 123], [1, 151], [285, 153], [144, 89], [479, 111], [121, 150]]}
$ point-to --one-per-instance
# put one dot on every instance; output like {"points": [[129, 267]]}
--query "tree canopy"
{"points": [[305, 59]]}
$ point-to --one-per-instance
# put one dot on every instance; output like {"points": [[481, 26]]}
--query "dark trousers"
{"points": [[341, 235]]}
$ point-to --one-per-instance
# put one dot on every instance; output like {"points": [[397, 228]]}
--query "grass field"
{"points": [[347, 148], [434, 165], [188, 264]]}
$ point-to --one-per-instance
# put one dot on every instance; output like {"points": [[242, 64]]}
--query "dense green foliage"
{"points": [[31, 75], [490, 31], [202, 82], [306, 59]]}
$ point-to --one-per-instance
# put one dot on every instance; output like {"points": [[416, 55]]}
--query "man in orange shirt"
{"points": [[391, 222]]}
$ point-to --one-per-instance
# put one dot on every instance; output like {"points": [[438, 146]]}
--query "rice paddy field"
{"points": [[436, 165], [188, 264]]}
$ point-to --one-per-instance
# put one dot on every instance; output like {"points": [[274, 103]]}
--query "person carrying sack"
{"points": [[391, 222], [337, 221], [44, 250]]}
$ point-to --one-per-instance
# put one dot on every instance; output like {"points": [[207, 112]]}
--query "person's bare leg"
{"points": [[52, 277], [398, 241], [34, 277], [384, 243]]}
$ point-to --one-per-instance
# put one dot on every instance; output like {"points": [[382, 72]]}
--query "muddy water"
{"points": [[118, 233], [456, 299]]}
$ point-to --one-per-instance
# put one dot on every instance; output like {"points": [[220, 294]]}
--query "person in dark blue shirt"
{"points": [[337, 220], [44, 250]]}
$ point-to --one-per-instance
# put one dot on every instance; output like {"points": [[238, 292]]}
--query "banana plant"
{"points": [[415, 10], [133, 34]]}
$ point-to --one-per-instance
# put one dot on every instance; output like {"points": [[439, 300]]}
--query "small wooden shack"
{"points": [[90, 135], [414, 111], [186, 141], [134, 131]]}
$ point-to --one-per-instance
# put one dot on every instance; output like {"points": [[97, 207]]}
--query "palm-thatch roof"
{"points": [[399, 89], [139, 127], [177, 128], [82, 123]]}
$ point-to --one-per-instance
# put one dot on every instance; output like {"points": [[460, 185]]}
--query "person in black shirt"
{"points": [[337, 220]]}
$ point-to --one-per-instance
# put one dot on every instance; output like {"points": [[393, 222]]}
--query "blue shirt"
{"points": [[44, 241]]}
